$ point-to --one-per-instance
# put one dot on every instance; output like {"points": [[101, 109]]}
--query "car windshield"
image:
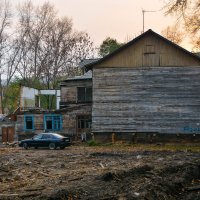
{"points": [[37, 137], [55, 135]]}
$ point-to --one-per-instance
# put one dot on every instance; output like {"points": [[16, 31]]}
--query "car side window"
{"points": [[54, 137], [46, 137]]}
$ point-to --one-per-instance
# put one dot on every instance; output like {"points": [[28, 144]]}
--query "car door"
{"points": [[36, 142], [46, 140]]}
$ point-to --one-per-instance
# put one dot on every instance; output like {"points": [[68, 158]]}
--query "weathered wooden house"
{"points": [[76, 104], [72, 116], [33, 121], [32, 118], [149, 88]]}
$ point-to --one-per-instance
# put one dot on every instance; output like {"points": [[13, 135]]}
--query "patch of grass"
{"points": [[167, 147], [92, 143]]}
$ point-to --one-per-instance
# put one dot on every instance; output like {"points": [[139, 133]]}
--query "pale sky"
{"points": [[120, 19]]}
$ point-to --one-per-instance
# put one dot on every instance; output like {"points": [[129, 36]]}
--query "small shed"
{"points": [[7, 130]]}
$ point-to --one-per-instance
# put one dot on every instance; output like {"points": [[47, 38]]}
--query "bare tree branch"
{"points": [[188, 13]]}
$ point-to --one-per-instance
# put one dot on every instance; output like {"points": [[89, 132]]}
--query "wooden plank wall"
{"points": [[147, 99], [73, 109], [38, 123], [69, 89], [70, 117], [162, 54]]}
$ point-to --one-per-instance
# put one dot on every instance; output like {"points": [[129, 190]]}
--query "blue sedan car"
{"points": [[50, 140]]}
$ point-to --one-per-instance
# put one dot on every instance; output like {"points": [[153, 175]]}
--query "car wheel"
{"points": [[25, 146], [62, 147], [52, 146]]}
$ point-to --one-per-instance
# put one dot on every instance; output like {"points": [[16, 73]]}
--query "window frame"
{"points": [[86, 119], [56, 123], [86, 98], [25, 123]]}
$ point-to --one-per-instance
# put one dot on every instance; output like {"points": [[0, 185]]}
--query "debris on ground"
{"points": [[81, 172]]}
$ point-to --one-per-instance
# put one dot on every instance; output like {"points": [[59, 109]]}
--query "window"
{"points": [[84, 94], [29, 123], [38, 137], [53, 122], [84, 122], [37, 100], [46, 137]]}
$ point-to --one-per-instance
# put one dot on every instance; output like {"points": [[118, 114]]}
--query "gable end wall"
{"points": [[150, 51]]}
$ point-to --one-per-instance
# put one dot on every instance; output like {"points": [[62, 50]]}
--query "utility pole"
{"points": [[143, 11], [1, 96]]}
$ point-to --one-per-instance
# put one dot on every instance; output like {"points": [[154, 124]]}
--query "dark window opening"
{"points": [[37, 100], [53, 122], [49, 124], [29, 125], [84, 122], [84, 94]]}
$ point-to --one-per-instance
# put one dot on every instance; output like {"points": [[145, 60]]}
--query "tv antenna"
{"points": [[145, 11]]}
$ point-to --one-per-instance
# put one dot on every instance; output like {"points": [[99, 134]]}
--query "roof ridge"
{"points": [[90, 65]]}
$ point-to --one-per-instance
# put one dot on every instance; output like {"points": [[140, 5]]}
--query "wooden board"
{"points": [[160, 54], [148, 99], [8, 134]]}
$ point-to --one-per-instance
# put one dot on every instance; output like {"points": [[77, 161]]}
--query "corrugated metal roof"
{"points": [[87, 61], [87, 75]]}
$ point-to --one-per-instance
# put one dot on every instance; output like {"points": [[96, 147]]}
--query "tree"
{"points": [[49, 44], [173, 34], [5, 21], [188, 13], [40, 49], [11, 96], [108, 46], [12, 60]]}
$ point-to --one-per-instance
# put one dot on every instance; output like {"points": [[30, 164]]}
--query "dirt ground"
{"points": [[100, 172]]}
